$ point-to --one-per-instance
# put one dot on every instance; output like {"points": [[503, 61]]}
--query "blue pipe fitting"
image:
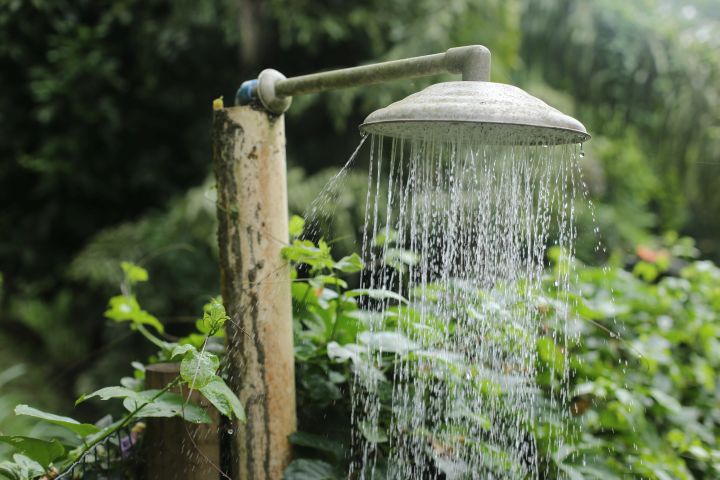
{"points": [[246, 93]]}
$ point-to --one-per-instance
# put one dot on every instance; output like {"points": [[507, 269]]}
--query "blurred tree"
{"points": [[646, 74], [105, 113], [105, 116]]}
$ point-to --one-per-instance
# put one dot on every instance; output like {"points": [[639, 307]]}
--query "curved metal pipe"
{"points": [[275, 91]]}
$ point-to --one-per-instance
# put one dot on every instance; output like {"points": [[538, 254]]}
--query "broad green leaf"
{"points": [[296, 227], [550, 353], [21, 468], [373, 433], [400, 259], [377, 294], [109, 392], [42, 451], [220, 395], [198, 368], [321, 280], [132, 383], [392, 342], [666, 401], [125, 308], [385, 236], [645, 270], [320, 388], [304, 469], [317, 442], [182, 350], [214, 317], [82, 429], [304, 251], [167, 405], [349, 264], [134, 273], [341, 353]]}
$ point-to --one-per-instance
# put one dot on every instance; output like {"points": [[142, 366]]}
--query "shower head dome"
{"points": [[495, 113]]}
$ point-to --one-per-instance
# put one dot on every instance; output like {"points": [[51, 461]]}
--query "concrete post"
{"points": [[249, 162], [175, 449]]}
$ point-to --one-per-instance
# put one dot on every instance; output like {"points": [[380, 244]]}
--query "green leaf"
{"points": [[400, 259], [198, 368], [349, 264], [377, 294], [341, 353], [321, 280], [166, 405], [304, 251], [550, 353], [182, 350], [133, 273], [392, 342], [317, 442], [21, 468], [296, 227], [214, 317], [220, 395], [82, 429], [42, 451], [304, 469], [645, 270], [373, 433], [125, 308], [385, 236], [109, 392]]}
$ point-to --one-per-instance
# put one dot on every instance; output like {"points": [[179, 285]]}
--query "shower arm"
{"points": [[274, 91]]}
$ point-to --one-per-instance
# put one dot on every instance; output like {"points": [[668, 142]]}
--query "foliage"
{"points": [[198, 371], [95, 173], [643, 74], [646, 398], [642, 349]]}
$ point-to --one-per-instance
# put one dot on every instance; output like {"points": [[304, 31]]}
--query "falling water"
{"points": [[455, 244]]}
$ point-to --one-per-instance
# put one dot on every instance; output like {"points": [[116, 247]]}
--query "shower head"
{"points": [[496, 113]]}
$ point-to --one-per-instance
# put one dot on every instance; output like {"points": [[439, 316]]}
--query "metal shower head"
{"points": [[491, 112], [496, 113]]}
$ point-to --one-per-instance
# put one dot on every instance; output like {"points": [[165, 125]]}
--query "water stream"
{"points": [[455, 247]]}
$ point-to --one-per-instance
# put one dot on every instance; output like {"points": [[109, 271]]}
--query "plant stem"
{"points": [[102, 435], [338, 309], [152, 338]]}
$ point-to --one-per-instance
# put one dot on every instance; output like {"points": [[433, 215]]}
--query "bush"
{"points": [[642, 348]]}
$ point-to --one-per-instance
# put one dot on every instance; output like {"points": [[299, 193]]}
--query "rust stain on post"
{"points": [[249, 162]]}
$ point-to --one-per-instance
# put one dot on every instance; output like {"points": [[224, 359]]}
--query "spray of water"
{"points": [[455, 247]]}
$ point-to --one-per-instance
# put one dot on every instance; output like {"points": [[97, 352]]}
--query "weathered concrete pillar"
{"points": [[249, 160]]}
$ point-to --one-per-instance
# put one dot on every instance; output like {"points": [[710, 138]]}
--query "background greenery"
{"points": [[105, 130]]}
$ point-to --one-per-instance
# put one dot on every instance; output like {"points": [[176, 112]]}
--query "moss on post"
{"points": [[249, 162]]}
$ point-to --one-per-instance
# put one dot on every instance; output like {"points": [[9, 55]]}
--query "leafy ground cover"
{"points": [[641, 344], [52, 453]]}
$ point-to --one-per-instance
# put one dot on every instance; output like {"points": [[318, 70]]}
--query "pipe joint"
{"points": [[267, 95], [472, 61]]}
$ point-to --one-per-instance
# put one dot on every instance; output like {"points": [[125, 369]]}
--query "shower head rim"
{"points": [[470, 105], [583, 136]]}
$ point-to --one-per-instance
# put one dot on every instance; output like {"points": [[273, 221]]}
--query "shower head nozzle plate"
{"points": [[495, 113]]}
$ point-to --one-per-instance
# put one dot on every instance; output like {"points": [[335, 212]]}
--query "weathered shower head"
{"points": [[494, 112]]}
